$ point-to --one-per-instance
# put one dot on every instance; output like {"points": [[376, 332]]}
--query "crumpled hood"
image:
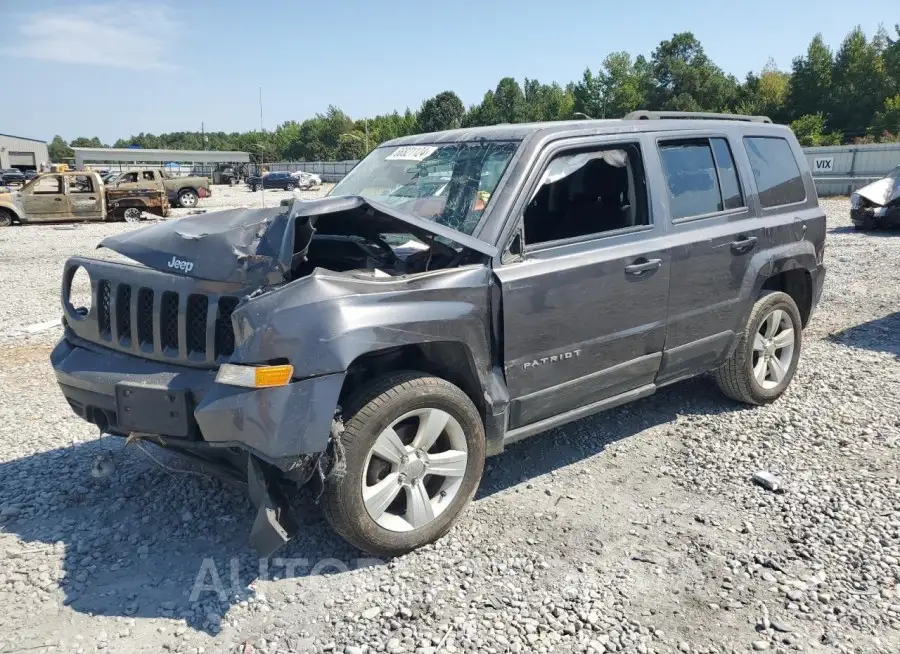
{"points": [[881, 192], [256, 246]]}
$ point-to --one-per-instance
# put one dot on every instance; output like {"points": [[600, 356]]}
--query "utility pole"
{"points": [[203, 135], [262, 152], [367, 134]]}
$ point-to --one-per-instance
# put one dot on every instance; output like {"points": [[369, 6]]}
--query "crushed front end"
{"points": [[171, 349], [143, 360]]}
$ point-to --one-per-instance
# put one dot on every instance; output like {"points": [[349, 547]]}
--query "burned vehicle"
{"points": [[877, 204], [455, 293], [77, 195]]}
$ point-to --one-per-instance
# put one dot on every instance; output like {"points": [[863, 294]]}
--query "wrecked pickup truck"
{"points": [[75, 195], [456, 292], [183, 192], [877, 204]]}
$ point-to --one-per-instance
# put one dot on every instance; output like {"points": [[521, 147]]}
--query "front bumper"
{"points": [[881, 216], [276, 424]]}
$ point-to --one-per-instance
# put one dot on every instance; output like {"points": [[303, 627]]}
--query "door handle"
{"points": [[57, 199], [92, 198], [744, 245], [642, 266]]}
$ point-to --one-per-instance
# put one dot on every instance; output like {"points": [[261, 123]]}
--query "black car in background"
{"points": [[30, 174], [281, 180], [11, 176]]}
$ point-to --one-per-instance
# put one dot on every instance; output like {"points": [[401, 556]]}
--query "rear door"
{"points": [[584, 307], [85, 199], [45, 199], [715, 232]]}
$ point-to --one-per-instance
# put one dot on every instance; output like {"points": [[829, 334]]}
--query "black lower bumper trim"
{"points": [[274, 525]]}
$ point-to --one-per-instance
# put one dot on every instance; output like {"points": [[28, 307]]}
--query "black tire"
{"points": [[254, 188], [188, 198], [290, 186], [865, 225], [367, 414], [736, 378], [6, 218]]}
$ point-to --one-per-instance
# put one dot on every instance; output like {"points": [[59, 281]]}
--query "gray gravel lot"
{"points": [[638, 530]]}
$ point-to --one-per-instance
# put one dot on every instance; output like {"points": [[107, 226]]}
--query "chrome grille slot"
{"points": [[224, 328], [104, 293], [168, 321], [197, 308], [145, 318], [123, 313]]}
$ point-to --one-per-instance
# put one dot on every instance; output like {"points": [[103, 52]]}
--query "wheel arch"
{"points": [[13, 211], [796, 282], [450, 360]]}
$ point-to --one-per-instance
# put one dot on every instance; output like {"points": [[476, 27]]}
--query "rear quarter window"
{"points": [[775, 169]]}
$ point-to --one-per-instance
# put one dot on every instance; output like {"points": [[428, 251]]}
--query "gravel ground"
{"points": [[638, 530]]}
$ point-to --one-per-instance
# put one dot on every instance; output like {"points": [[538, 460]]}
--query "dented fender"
{"points": [[323, 322]]}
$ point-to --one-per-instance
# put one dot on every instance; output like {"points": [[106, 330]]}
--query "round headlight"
{"points": [[79, 293]]}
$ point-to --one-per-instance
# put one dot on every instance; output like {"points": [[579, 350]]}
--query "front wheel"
{"points": [[6, 219], [413, 448], [766, 356]]}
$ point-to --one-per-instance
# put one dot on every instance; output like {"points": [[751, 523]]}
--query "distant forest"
{"points": [[851, 95]]}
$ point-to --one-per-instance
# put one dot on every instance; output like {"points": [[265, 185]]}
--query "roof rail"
{"points": [[701, 115]]}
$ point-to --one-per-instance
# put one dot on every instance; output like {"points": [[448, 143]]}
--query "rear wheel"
{"points": [[766, 356], [6, 218], [132, 214], [187, 199], [290, 186], [254, 188], [413, 446]]}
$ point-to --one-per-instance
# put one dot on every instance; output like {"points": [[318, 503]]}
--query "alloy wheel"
{"points": [[188, 199], [414, 469], [773, 349], [132, 215]]}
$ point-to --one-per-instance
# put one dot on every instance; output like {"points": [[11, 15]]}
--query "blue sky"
{"points": [[113, 69]]}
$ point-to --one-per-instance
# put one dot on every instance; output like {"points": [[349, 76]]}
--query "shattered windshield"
{"points": [[451, 184]]}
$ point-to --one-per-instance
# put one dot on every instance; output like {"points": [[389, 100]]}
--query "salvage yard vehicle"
{"points": [[77, 196], [380, 346], [182, 191], [10, 176], [279, 179], [306, 180], [877, 204]]}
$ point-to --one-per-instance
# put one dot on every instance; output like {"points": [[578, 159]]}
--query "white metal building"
{"points": [[22, 153], [92, 157]]}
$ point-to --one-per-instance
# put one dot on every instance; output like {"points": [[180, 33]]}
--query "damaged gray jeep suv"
{"points": [[456, 292]]}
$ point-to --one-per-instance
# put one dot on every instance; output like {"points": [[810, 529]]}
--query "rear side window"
{"points": [[728, 179], [701, 177], [775, 169]]}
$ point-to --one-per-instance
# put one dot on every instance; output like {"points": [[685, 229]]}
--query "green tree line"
{"points": [[851, 95]]}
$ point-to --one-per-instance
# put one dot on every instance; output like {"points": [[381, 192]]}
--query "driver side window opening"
{"points": [[586, 193]]}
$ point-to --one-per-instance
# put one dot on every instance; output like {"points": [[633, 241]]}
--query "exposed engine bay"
{"points": [[377, 255]]}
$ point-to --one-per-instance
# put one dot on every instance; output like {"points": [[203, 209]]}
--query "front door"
{"points": [[584, 307], [45, 199], [85, 201]]}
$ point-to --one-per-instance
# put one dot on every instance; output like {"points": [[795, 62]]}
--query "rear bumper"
{"points": [[276, 424]]}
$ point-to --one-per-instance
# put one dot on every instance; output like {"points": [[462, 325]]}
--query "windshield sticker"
{"points": [[411, 153]]}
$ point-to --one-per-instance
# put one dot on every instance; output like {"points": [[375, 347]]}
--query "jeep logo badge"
{"points": [[183, 266]]}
